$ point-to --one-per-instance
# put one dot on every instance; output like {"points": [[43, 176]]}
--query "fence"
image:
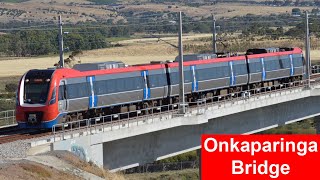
{"points": [[7, 118], [315, 69], [161, 167]]}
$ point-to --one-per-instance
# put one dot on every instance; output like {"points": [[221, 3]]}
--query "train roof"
{"points": [[239, 58], [72, 73], [281, 53], [209, 61]]}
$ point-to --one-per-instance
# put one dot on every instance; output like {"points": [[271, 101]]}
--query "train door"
{"points": [[291, 65], [63, 102], [232, 75], [146, 89], [194, 79], [263, 69], [93, 98]]}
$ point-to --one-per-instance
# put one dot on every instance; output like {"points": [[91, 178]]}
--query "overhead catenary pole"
{"points": [[307, 45], [214, 35], [61, 62], [181, 74]]}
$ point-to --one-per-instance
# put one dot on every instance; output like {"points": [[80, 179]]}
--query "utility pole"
{"points": [[307, 45], [214, 35], [61, 43], [181, 73]]}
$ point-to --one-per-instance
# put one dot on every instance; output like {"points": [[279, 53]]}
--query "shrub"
{"points": [[11, 87]]}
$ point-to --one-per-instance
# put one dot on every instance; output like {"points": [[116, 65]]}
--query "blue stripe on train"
{"points": [[232, 76], [291, 65], [263, 69], [146, 89], [93, 98], [194, 79]]}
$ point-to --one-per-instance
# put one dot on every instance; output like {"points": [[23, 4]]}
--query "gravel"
{"points": [[17, 149]]}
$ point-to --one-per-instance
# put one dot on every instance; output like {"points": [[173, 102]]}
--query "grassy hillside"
{"points": [[104, 1], [13, 1]]}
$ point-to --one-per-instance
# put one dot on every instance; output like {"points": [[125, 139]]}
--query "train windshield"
{"points": [[36, 86]]}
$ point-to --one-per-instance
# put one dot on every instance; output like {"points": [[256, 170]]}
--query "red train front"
{"points": [[37, 105]]}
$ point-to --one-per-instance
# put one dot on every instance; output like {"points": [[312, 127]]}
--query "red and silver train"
{"points": [[48, 97]]}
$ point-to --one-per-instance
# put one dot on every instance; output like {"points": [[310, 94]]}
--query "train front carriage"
{"points": [[36, 105]]}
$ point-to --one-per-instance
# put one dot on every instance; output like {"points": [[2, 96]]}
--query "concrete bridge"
{"points": [[130, 142]]}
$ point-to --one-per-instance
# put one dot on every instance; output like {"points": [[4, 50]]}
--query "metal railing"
{"points": [[160, 113], [315, 69], [115, 121], [7, 118]]}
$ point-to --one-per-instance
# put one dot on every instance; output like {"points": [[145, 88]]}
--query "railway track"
{"points": [[15, 134]]}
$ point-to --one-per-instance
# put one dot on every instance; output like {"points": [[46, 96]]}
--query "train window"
{"points": [[117, 85], [271, 65], [285, 62], [120, 85], [78, 90], [297, 61], [213, 73], [53, 96], [163, 80], [255, 67], [138, 82], [61, 93], [226, 71], [110, 86], [133, 83], [240, 69], [187, 76], [100, 87], [174, 77], [154, 81]]}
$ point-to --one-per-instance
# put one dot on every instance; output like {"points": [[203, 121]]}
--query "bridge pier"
{"points": [[317, 124]]}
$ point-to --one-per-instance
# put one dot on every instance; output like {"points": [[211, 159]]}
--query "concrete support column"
{"points": [[317, 124], [96, 154]]}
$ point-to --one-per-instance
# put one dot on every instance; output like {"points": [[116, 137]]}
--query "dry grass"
{"points": [[135, 51], [38, 170], [88, 167], [37, 10], [22, 170], [220, 9]]}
